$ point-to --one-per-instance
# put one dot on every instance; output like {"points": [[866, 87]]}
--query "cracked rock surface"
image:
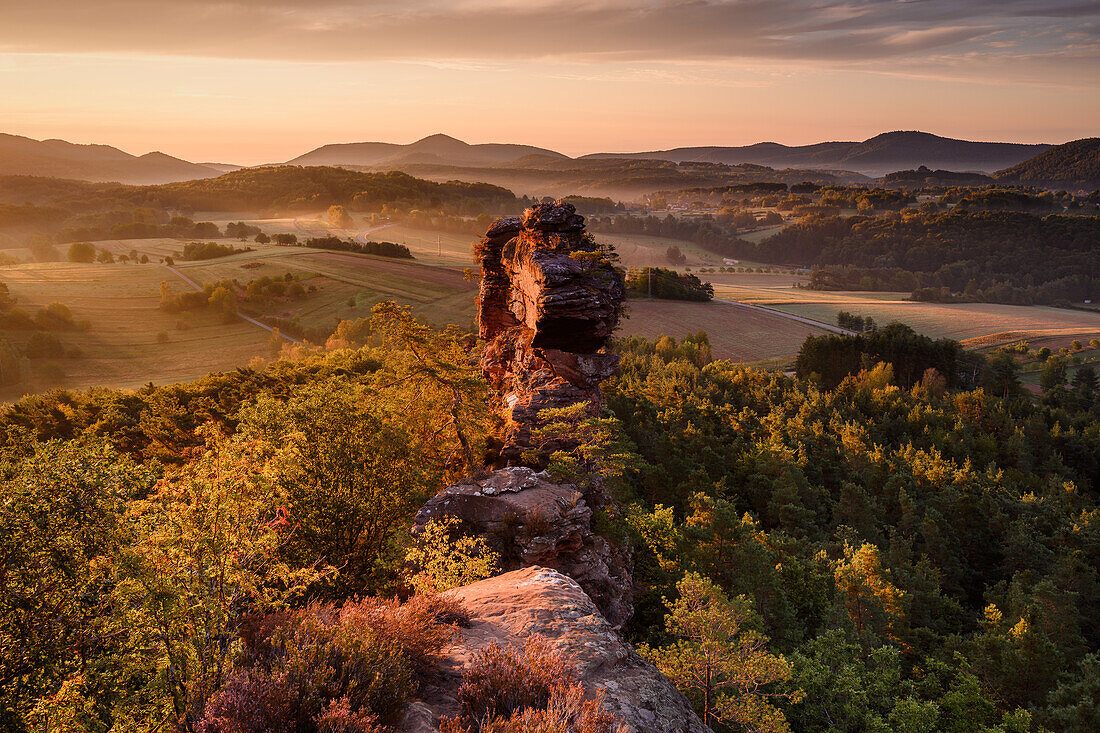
{"points": [[509, 608], [530, 520]]}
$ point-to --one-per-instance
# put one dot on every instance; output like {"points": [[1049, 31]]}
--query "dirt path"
{"points": [[264, 326], [800, 319]]}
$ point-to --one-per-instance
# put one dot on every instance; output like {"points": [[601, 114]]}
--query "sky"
{"points": [[254, 81]]}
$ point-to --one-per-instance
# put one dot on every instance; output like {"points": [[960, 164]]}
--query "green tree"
{"points": [[446, 558], [208, 552], [722, 666], [61, 532], [81, 252], [339, 217], [1053, 376], [1002, 375], [351, 475]]}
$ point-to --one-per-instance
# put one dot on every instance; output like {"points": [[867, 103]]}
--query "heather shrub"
{"points": [[567, 711], [330, 669], [500, 681]]}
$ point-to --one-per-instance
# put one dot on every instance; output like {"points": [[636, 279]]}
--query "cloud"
{"points": [[880, 34]]}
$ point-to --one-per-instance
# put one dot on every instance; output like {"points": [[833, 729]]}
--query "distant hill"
{"points": [[434, 149], [890, 151], [60, 159], [269, 188], [1074, 164], [924, 177]]}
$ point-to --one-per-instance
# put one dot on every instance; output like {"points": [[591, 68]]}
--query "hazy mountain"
{"points": [[1074, 164], [890, 151], [58, 158], [434, 149]]}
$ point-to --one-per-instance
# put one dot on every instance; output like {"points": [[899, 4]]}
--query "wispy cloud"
{"points": [[882, 31]]}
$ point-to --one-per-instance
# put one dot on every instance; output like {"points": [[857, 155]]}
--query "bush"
{"points": [[501, 681], [328, 668], [44, 346], [209, 250], [54, 316]]}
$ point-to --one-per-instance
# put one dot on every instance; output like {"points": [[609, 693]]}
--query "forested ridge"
{"points": [[1003, 256]]}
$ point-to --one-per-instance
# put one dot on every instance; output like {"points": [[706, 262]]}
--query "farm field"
{"points": [[124, 345], [735, 333], [960, 321], [636, 250]]}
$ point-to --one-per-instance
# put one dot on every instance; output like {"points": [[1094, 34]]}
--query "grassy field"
{"points": [[735, 333], [954, 320], [130, 341]]}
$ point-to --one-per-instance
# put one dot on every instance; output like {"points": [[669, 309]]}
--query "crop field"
{"points": [[960, 321], [735, 333], [129, 340], [637, 250]]}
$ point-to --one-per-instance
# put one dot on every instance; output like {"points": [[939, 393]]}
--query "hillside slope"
{"points": [[1074, 164], [876, 156], [437, 149], [58, 158]]}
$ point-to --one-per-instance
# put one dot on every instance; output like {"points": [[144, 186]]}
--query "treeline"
{"points": [[294, 188], [829, 359], [134, 224], [704, 231], [381, 249], [210, 250], [1004, 257], [226, 295], [666, 284]]}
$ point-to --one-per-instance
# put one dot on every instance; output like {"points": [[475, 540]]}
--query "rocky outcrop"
{"points": [[510, 608], [550, 299], [530, 520]]}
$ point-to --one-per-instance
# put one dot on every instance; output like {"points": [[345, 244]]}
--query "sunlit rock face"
{"points": [[549, 302], [510, 608]]}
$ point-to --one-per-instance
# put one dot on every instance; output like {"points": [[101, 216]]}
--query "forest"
{"points": [[917, 554], [666, 284], [999, 257]]}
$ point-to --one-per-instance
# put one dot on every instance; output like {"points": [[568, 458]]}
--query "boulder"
{"points": [[510, 608], [530, 521]]}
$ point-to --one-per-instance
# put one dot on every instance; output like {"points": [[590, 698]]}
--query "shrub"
{"points": [[328, 668], [44, 346], [54, 316], [448, 559], [81, 252], [501, 681], [534, 691]]}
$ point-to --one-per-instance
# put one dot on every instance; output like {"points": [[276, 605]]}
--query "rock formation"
{"points": [[548, 304], [549, 301], [509, 608], [530, 520]]}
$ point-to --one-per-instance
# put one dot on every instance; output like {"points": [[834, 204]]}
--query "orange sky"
{"points": [[250, 82]]}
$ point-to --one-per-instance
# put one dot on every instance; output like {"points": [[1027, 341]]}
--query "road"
{"points": [[264, 326], [359, 236], [800, 319]]}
